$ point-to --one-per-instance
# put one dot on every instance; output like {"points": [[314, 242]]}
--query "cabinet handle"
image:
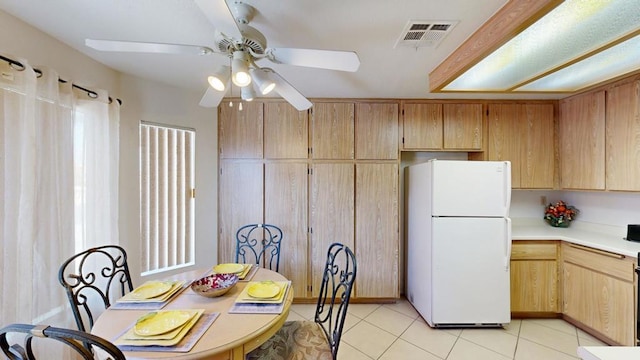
{"points": [[596, 251]]}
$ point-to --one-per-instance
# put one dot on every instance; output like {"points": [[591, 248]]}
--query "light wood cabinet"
{"points": [[524, 135], [332, 214], [241, 199], [332, 131], [240, 133], [377, 232], [436, 126], [534, 277], [285, 190], [376, 131], [462, 126], [623, 137], [599, 292], [285, 132], [581, 141]]}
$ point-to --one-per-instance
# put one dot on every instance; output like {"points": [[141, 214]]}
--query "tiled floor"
{"points": [[396, 331]]}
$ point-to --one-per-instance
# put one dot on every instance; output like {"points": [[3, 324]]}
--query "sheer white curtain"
{"points": [[52, 206]]}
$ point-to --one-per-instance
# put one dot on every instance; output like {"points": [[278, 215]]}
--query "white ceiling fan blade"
{"points": [[289, 93], [220, 16], [323, 59], [211, 97], [145, 47]]}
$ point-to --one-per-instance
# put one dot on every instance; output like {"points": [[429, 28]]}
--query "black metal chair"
{"points": [[259, 244], [90, 276], [318, 339], [77, 340]]}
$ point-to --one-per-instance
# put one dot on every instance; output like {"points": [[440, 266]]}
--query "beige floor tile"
{"points": [[498, 340], [582, 335], [350, 321], [436, 341], [466, 350], [294, 316], [403, 306], [348, 352], [513, 327], [362, 310], [527, 350], [549, 337], [591, 342], [307, 311], [556, 324], [389, 320], [453, 331], [369, 339], [406, 351]]}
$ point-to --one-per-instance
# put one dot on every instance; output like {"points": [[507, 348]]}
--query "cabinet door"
{"points": [[285, 205], [534, 286], [537, 167], [376, 131], [332, 214], [601, 302], [241, 199], [285, 132], [623, 137], [462, 126], [505, 138], [377, 243], [422, 126], [240, 132], [581, 142], [332, 129]]}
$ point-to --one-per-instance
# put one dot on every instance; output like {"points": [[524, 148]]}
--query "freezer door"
{"points": [[470, 271], [471, 188]]}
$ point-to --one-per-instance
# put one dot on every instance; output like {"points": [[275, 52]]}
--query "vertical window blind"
{"points": [[167, 195]]}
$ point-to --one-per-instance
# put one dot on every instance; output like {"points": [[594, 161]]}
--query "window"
{"points": [[167, 193]]}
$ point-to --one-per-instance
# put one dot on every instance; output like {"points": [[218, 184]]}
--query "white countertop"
{"points": [[608, 352], [599, 236]]}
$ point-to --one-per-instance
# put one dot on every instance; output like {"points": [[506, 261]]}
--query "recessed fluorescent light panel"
{"points": [[567, 49]]}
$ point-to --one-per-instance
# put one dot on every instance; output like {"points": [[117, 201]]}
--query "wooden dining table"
{"points": [[231, 336]]}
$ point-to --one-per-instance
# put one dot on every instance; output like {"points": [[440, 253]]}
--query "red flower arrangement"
{"points": [[560, 214]]}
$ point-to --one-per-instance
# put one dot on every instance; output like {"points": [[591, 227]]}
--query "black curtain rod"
{"points": [[91, 93]]}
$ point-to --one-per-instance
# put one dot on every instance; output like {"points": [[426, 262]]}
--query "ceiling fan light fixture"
{"points": [[220, 78], [262, 80], [247, 93], [240, 69]]}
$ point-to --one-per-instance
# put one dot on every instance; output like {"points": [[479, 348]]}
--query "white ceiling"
{"points": [[369, 27]]}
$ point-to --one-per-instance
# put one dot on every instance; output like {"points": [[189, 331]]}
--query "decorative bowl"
{"points": [[214, 285]]}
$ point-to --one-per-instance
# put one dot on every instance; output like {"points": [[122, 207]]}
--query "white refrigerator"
{"points": [[459, 242]]}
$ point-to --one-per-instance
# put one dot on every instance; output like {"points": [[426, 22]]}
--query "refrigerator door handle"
{"points": [[507, 255], [507, 188]]}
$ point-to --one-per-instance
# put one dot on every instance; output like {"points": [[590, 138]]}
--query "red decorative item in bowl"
{"points": [[560, 215], [214, 285]]}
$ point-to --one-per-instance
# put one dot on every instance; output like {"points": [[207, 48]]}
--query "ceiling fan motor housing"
{"points": [[251, 38]]}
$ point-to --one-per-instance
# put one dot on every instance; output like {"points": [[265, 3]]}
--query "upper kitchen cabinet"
{"points": [[462, 126], [285, 131], [376, 131], [435, 126], [240, 132], [332, 131], [623, 137], [581, 141], [524, 135], [422, 126]]}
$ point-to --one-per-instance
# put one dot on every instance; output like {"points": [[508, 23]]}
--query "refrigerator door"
{"points": [[470, 271], [470, 188]]}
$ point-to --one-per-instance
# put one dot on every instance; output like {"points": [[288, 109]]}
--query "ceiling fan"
{"points": [[246, 47]]}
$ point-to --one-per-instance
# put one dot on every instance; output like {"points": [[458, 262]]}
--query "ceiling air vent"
{"points": [[424, 33]]}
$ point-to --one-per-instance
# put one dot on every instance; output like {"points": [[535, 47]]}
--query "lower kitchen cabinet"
{"points": [[534, 278], [599, 292]]}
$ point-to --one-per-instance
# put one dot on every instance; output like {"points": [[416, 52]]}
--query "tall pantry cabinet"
{"points": [[325, 175]]}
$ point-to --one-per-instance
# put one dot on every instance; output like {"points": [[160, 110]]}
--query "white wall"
{"points": [[142, 100]]}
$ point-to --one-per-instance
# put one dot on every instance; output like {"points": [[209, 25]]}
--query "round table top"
{"points": [[228, 331]]}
